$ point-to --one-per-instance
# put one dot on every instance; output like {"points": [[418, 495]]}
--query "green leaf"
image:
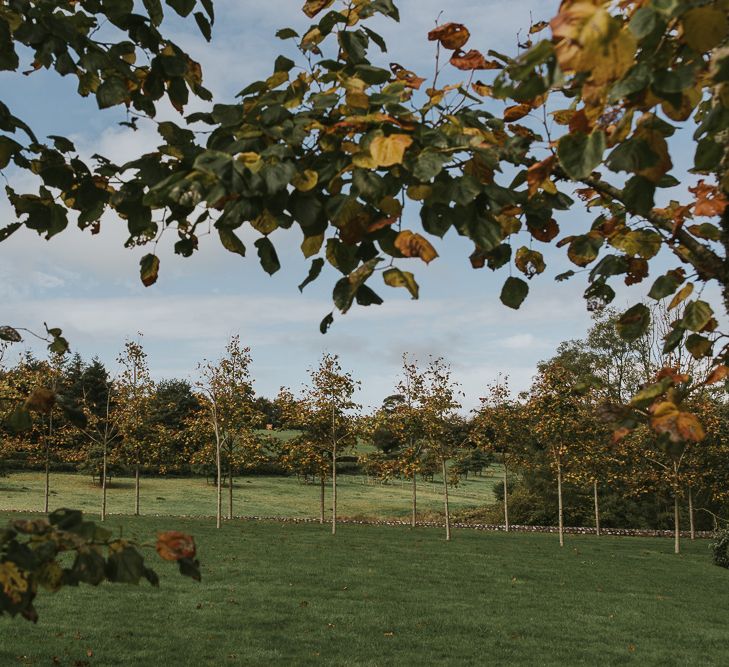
{"points": [[697, 315], [429, 164], [154, 9], [396, 278], [367, 297], [708, 155], [665, 285], [182, 7], [634, 322], [651, 392], [584, 249], [638, 78], [125, 566], [326, 323], [189, 568], [514, 292], [9, 229], [111, 92], [66, 519], [354, 44], [19, 420], [204, 25], [286, 33], [580, 153], [8, 148], [267, 255], [149, 269], [314, 271], [699, 346], [231, 242], [638, 195], [644, 22]]}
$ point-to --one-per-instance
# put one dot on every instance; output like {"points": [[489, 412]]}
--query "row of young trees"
{"points": [[558, 429]]}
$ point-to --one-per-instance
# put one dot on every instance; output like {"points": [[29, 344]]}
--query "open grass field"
{"points": [[284, 594], [253, 495]]}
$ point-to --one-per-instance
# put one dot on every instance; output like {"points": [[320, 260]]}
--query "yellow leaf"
{"points": [[390, 150], [683, 294], [397, 278], [12, 580], [311, 245], [306, 180], [313, 7]]}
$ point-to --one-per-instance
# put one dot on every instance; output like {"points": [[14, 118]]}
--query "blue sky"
{"points": [[89, 286]]}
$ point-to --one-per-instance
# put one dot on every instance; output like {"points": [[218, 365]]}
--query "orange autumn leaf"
{"points": [[414, 245], [709, 199], [538, 173], [174, 545], [450, 35], [718, 374], [472, 60], [689, 427]]}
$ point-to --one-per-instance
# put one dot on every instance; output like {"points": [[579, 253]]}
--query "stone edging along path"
{"points": [[574, 530], [497, 528]]}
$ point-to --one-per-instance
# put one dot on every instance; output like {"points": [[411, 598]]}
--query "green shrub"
{"points": [[720, 548]]}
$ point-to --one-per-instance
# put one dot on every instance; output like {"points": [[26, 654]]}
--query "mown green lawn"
{"points": [[283, 594], [253, 495]]}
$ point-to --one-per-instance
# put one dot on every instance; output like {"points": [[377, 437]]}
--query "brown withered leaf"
{"points": [[478, 258], [579, 122], [408, 77], [451, 36], [637, 270], [41, 400], [471, 60], [546, 233], [414, 245], [516, 112]]}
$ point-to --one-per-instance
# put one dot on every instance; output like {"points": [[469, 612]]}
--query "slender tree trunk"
{"points": [[506, 498], [676, 519], [414, 518], [691, 513], [597, 508], [321, 499], [445, 498], [230, 491], [103, 484], [218, 481], [334, 490], [47, 488], [559, 501], [676, 526], [136, 490]]}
